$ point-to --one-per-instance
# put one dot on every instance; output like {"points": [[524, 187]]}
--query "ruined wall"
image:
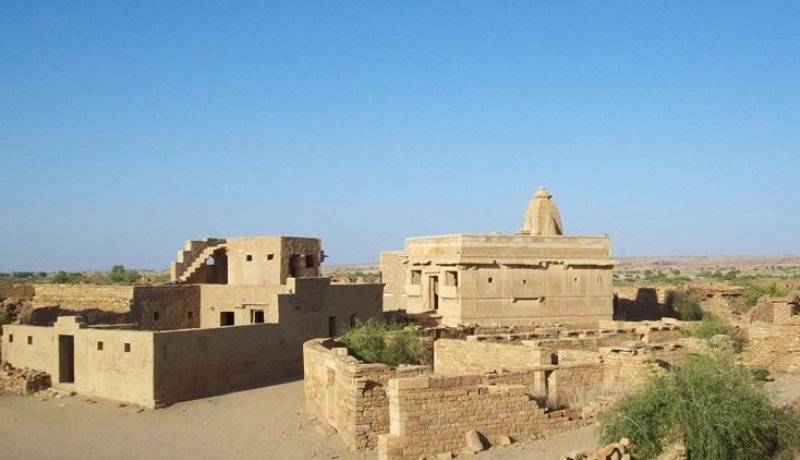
{"points": [[454, 357], [347, 394], [430, 415], [78, 297], [776, 347], [157, 308]]}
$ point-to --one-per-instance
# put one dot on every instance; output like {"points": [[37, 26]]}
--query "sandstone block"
{"points": [[474, 441]]}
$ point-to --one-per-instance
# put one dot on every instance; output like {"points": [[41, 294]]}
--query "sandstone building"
{"points": [[236, 315], [535, 275]]}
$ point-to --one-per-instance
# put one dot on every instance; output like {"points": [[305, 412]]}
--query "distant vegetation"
{"points": [[118, 275], [387, 343], [756, 292], [711, 405]]}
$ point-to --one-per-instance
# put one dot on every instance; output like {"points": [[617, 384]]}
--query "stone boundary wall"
{"points": [[430, 415], [775, 347], [348, 394], [78, 297]]}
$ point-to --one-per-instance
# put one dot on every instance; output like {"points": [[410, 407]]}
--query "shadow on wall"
{"points": [[645, 306], [46, 316]]}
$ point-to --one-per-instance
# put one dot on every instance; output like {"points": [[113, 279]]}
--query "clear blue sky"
{"points": [[129, 127]]}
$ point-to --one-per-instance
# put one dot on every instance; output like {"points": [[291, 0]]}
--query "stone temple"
{"points": [[536, 275]]}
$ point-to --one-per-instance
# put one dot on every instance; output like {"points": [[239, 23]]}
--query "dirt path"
{"points": [[261, 423]]}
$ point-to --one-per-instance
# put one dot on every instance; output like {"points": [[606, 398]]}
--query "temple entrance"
{"points": [[66, 359]]}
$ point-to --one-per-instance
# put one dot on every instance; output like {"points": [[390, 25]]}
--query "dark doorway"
{"points": [[66, 359], [226, 318], [331, 326], [433, 295], [256, 316]]}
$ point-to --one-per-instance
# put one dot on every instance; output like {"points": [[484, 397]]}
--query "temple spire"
{"points": [[542, 217]]}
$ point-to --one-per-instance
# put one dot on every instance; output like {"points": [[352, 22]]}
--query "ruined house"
{"points": [[535, 275], [236, 315]]}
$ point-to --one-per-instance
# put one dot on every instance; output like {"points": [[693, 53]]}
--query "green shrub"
{"points": [[756, 292], [712, 406], [119, 275], [5, 317], [712, 325], [685, 306], [387, 343], [761, 374]]}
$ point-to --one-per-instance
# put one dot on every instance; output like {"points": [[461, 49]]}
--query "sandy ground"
{"points": [[263, 423]]}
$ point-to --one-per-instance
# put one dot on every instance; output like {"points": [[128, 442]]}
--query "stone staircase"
{"points": [[192, 257]]}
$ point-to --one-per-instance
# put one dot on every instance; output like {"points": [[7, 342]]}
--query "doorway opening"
{"points": [[433, 292], [66, 359]]}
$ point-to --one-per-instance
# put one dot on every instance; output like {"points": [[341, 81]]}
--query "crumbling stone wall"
{"points": [[431, 414], [347, 394], [574, 385]]}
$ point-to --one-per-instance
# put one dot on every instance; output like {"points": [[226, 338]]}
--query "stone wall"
{"points": [[776, 347], [429, 415], [574, 385], [78, 297], [453, 356], [347, 394]]}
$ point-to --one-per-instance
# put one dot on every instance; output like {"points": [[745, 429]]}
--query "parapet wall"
{"points": [[78, 297]]}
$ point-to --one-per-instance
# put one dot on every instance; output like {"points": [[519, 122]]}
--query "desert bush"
{"points": [[387, 343], [119, 275], [5, 317], [756, 292], [686, 307], [712, 325], [712, 406]]}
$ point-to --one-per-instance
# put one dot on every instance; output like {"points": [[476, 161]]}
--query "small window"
{"points": [[210, 261], [30, 340], [10, 338], [226, 318], [256, 316], [490, 280], [451, 278], [249, 257], [190, 314], [353, 321], [99, 346], [524, 281], [270, 256], [155, 315], [310, 262], [416, 276], [127, 348]]}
